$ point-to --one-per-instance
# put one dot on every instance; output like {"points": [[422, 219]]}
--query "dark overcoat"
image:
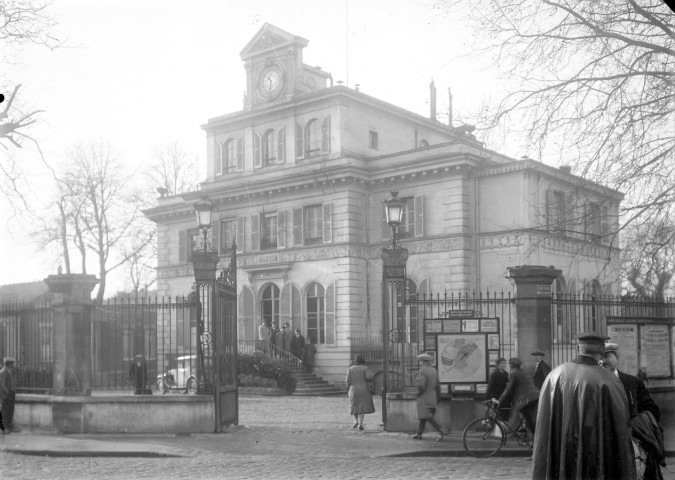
{"points": [[583, 429], [519, 390], [540, 373]]}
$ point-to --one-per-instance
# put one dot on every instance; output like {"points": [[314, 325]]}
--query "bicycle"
{"points": [[485, 436]]}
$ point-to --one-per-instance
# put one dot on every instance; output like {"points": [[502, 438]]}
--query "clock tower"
{"points": [[274, 68]]}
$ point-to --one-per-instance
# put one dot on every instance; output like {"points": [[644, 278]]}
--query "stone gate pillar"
{"points": [[533, 308], [71, 334]]}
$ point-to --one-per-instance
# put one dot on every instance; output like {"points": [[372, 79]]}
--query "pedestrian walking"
{"points": [[309, 355], [644, 415], [358, 381], [428, 392], [522, 394], [7, 396], [541, 368], [298, 344], [138, 375], [497, 382], [582, 424]]}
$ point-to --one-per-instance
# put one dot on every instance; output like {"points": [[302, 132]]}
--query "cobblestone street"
{"points": [[278, 437]]}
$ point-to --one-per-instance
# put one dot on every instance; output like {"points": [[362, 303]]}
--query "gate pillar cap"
{"points": [[72, 288], [533, 273]]}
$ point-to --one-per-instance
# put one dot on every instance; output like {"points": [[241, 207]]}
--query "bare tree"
{"points": [[591, 82], [104, 210], [173, 169]]}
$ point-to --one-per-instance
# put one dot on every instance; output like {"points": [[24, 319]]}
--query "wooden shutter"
{"points": [[240, 154], [255, 232], [281, 145], [218, 158], [550, 207], [329, 306], [281, 229], [299, 141], [257, 154], [182, 246], [418, 207], [327, 223], [241, 222], [605, 225], [325, 135], [215, 236], [297, 227]]}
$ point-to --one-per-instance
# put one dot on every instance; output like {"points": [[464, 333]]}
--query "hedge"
{"points": [[256, 364]]}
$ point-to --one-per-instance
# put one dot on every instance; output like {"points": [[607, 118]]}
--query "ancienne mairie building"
{"points": [[299, 177]]}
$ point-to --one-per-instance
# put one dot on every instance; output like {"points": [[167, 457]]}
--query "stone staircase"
{"points": [[310, 384]]}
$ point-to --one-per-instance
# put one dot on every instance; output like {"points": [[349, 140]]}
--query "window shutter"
{"points": [[257, 158], [218, 158], [281, 145], [297, 226], [418, 202], [299, 141], [255, 232], [215, 236], [327, 223], [330, 314], [550, 207], [182, 246], [325, 135], [281, 229], [605, 229], [241, 221], [240, 154]]}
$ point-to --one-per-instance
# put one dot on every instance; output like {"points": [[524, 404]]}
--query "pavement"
{"points": [[277, 437]]}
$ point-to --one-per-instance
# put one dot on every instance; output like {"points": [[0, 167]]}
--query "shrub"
{"points": [[256, 364]]}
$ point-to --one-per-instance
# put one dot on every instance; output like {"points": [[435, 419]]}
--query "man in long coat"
{"points": [[541, 369], [583, 430]]}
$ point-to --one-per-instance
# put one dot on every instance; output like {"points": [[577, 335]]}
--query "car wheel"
{"points": [[191, 386]]}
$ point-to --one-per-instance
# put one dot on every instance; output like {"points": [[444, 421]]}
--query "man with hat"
{"points": [[428, 391], [643, 412], [138, 376], [541, 369], [582, 424], [522, 394], [7, 395]]}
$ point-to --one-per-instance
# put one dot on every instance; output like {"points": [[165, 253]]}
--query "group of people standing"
{"points": [[287, 341]]}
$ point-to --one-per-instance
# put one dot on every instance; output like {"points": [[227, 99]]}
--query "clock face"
{"points": [[270, 82]]}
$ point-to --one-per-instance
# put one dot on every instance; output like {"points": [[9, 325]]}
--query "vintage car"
{"points": [[183, 377]]}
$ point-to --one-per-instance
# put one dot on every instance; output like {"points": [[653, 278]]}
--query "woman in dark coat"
{"points": [[360, 398]]}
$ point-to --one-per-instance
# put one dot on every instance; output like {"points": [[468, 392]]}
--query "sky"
{"points": [[140, 73]]}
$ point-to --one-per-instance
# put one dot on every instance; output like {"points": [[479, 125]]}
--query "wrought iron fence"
{"points": [[25, 334]]}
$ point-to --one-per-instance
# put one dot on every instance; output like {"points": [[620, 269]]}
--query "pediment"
{"points": [[269, 38]]}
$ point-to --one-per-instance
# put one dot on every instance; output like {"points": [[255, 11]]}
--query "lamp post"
{"points": [[394, 258], [204, 263]]}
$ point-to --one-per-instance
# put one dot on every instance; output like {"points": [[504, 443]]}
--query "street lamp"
{"points": [[204, 209], [393, 211]]}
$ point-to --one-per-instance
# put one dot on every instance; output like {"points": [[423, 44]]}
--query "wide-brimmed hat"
{"points": [[612, 347], [592, 338], [7, 360], [515, 361], [425, 357], [537, 352]]}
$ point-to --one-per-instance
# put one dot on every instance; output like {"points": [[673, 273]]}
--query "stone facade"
{"points": [[299, 176]]}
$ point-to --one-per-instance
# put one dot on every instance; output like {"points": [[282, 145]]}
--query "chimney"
{"points": [[449, 108], [432, 100]]}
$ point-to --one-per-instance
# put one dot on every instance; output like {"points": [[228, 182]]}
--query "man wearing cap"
{"points": [[138, 375], [541, 369], [521, 392], [7, 395], [643, 412], [582, 424], [428, 390]]}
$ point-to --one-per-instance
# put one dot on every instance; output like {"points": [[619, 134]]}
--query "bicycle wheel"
{"points": [[483, 437]]}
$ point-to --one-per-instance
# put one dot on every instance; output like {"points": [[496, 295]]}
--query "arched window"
{"points": [[312, 138], [325, 135], [316, 313], [257, 157], [247, 325], [269, 305], [268, 147], [240, 154], [291, 308], [299, 141]]}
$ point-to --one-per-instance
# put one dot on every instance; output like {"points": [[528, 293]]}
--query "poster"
{"points": [[488, 325], [494, 355], [430, 342], [626, 336], [654, 343], [462, 358], [433, 326], [470, 325], [493, 341], [451, 326]]}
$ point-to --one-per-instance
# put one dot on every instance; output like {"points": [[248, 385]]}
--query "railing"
{"points": [[271, 350]]}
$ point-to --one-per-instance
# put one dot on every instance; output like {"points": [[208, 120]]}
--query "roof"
{"points": [[23, 292]]}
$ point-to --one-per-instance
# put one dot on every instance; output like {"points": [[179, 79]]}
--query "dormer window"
{"points": [[423, 143]]}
